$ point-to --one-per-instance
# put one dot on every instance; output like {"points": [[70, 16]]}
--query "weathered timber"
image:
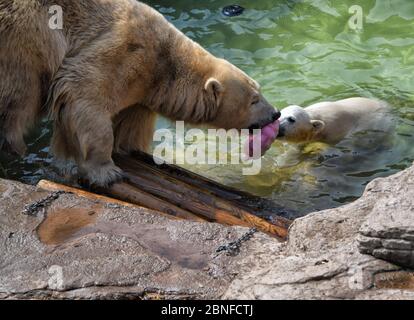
{"points": [[130, 193], [262, 207], [196, 199], [179, 193], [135, 198]]}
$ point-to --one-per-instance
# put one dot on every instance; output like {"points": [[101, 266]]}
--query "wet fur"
{"points": [[331, 122], [105, 76]]}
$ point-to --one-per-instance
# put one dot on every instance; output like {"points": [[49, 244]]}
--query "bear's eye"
{"points": [[255, 99], [291, 120]]}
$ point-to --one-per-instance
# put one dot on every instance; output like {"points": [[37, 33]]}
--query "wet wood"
{"points": [[184, 199], [262, 207], [194, 199], [181, 194], [53, 186], [130, 193]]}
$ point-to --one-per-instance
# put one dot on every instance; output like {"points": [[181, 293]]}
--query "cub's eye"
{"points": [[291, 119]]}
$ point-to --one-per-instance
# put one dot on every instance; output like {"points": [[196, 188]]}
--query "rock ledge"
{"points": [[83, 249]]}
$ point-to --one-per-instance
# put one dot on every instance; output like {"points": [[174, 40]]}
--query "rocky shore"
{"points": [[78, 248]]}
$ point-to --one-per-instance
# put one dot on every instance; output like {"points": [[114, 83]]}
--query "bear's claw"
{"points": [[101, 176], [2, 142]]}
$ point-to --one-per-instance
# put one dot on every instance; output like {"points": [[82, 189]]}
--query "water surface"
{"points": [[301, 52]]}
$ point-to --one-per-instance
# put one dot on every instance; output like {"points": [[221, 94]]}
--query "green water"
{"points": [[301, 52]]}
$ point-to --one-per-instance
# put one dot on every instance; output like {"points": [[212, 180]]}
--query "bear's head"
{"points": [[297, 126], [238, 101]]}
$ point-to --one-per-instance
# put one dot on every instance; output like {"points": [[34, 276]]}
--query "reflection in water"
{"points": [[317, 176], [301, 52]]}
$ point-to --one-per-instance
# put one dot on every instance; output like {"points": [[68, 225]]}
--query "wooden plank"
{"points": [[53, 186], [178, 193], [196, 200], [262, 207], [130, 193], [134, 198]]}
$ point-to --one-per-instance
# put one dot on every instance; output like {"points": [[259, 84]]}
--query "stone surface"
{"points": [[88, 250], [321, 259], [388, 231], [84, 249]]}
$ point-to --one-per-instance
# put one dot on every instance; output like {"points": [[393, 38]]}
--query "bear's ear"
{"points": [[317, 125], [214, 88]]}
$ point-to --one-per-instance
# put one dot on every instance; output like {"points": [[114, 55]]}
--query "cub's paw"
{"points": [[103, 176]]}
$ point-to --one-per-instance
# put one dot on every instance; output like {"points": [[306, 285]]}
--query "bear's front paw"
{"points": [[17, 148], [103, 176]]}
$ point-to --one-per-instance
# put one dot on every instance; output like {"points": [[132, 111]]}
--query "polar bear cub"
{"points": [[331, 122]]}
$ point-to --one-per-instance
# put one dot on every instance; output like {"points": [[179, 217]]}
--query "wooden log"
{"points": [[185, 201], [196, 200], [158, 189], [187, 176], [127, 192], [262, 207], [53, 186], [196, 182], [132, 194]]}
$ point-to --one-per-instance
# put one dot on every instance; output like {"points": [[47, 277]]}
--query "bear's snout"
{"points": [[274, 115]]}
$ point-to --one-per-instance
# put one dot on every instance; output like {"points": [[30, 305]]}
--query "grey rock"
{"points": [[388, 231], [321, 259], [83, 249]]}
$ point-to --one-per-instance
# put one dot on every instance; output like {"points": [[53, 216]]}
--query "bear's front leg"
{"points": [[134, 129], [89, 91], [85, 133]]}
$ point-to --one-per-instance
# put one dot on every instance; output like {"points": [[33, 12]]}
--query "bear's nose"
{"points": [[276, 115]]}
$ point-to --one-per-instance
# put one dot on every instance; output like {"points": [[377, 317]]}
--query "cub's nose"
{"points": [[276, 115]]}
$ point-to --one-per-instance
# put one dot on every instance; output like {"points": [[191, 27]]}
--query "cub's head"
{"points": [[297, 126], [237, 99]]}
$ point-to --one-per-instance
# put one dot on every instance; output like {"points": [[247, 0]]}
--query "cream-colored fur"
{"points": [[105, 76], [332, 122]]}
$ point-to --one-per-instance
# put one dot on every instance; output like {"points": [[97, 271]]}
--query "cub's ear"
{"points": [[214, 89], [317, 125]]}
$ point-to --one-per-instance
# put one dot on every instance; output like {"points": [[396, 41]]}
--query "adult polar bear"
{"points": [[105, 76]]}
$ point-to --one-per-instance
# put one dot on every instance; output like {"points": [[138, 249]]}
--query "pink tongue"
{"points": [[263, 141]]}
